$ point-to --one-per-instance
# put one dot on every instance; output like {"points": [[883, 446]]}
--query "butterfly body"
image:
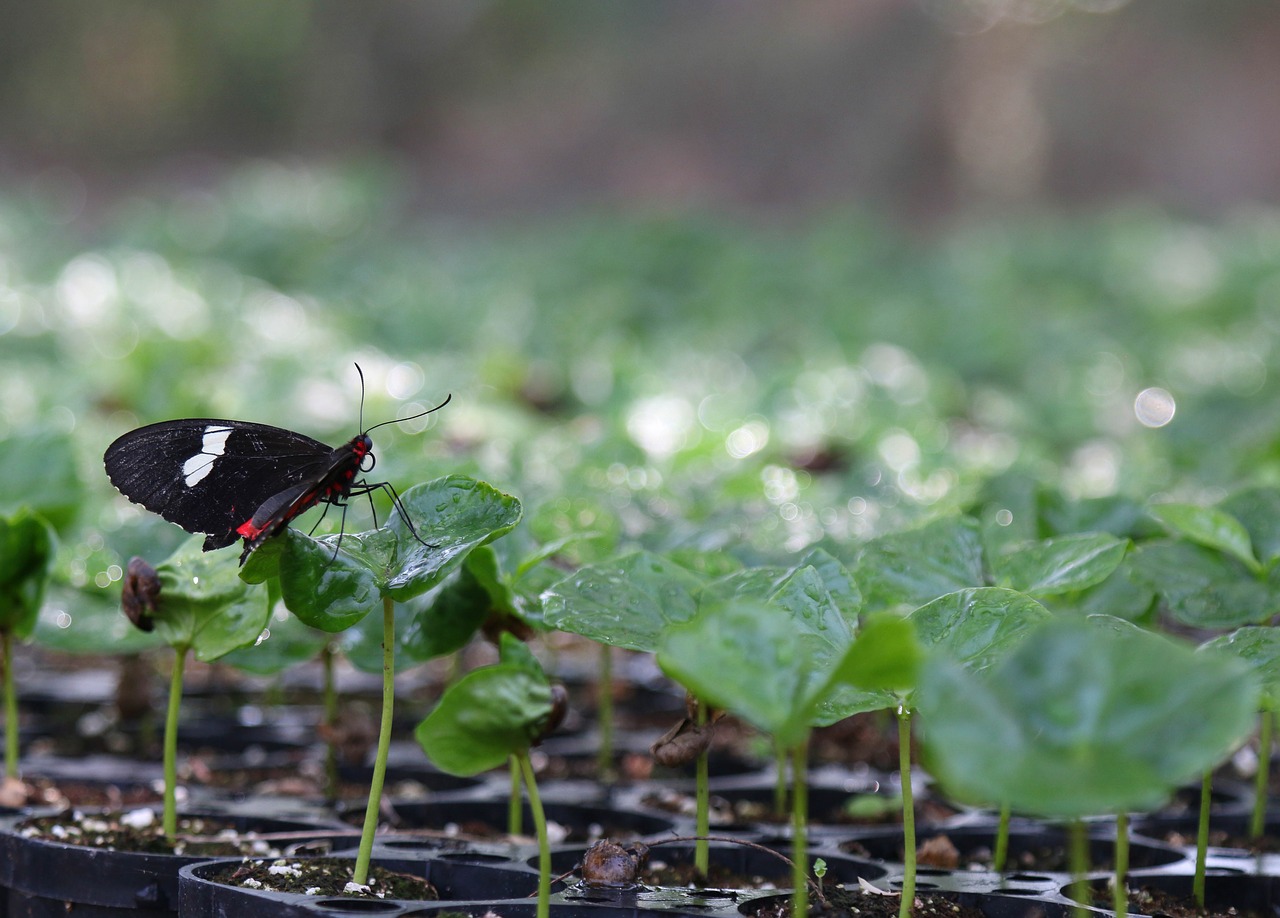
{"points": [[234, 479]]}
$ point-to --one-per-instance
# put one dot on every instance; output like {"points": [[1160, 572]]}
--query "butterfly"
{"points": [[237, 479]]}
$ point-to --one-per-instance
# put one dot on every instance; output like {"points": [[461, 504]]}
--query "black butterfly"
{"points": [[236, 479]]}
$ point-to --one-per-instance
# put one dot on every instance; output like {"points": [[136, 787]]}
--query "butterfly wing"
{"points": [[210, 475]]}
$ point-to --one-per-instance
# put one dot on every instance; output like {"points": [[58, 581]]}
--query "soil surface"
{"points": [[1148, 901], [63, 793], [139, 831], [855, 903], [324, 877]]}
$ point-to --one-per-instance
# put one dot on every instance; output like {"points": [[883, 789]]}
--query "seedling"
{"points": [[26, 554], [1083, 718], [492, 715], [787, 663], [332, 587], [196, 603], [1258, 646]]}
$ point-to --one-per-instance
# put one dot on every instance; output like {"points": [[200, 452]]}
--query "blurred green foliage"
{"points": [[677, 385]]}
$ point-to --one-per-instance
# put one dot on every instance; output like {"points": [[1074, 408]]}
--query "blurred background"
{"points": [[922, 109], [697, 274]]}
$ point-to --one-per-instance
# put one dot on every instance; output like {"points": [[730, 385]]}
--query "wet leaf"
{"points": [[907, 569], [285, 642], [976, 627], [333, 582], [1210, 527], [1259, 646], [1204, 588], [453, 515], [627, 602], [1082, 719], [204, 605], [484, 717], [1059, 565]]}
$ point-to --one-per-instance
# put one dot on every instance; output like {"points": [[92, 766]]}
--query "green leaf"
{"points": [[751, 659], [49, 485], [1258, 646], [26, 555], [885, 656], [1258, 510], [1081, 719], [204, 605], [1204, 588], [1059, 565], [87, 621], [284, 643], [331, 591], [485, 717], [627, 602], [453, 515], [837, 581], [977, 627], [908, 569], [1209, 527], [449, 619], [516, 652]]}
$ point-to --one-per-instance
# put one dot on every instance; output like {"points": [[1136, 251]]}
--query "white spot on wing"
{"points": [[200, 465]]}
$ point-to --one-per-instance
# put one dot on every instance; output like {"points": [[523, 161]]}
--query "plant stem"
{"points": [[1002, 840], [169, 821], [540, 826], [1202, 838], [1078, 857], [1119, 882], [361, 873], [330, 720], [604, 714], [800, 829], [908, 813], [702, 799], [10, 707], [780, 782], [1258, 820], [515, 812]]}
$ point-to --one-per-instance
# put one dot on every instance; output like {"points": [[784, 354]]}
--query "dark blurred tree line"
{"points": [[918, 106]]}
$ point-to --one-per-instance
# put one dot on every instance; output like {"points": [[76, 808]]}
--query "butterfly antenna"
{"points": [[360, 373], [420, 414]]}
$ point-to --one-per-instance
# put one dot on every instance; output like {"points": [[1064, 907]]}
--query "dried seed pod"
{"points": [[607, 863], [141, 593]]}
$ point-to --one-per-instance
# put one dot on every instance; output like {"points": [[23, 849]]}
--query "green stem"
{"points": [[1258, 820], [800, 829], [1120, 882], [515, 812], [1202, 838], [702, 799], [780, 782], [908, 813], [540, 826], [1078, 857], [361, 873], [1001, 855], [330, 720], [604, 714], [10, 707], [169, 821]]}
